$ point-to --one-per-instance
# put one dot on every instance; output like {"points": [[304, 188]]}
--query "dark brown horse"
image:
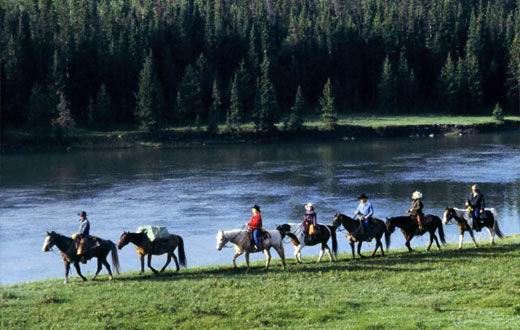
{"points": [[490, 222], [356, 234], [67, 247], [144, 247], [410, 229]]}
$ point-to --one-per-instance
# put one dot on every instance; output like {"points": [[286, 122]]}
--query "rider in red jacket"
{"points": [[255, 224]]}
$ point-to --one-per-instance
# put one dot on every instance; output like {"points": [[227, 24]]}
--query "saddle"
{"points": [[85, 244], [159, 245]]}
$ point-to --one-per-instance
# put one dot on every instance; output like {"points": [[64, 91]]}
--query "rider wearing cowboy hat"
{"points": [[82, 235], [475, 205], [416, 210], [364, 213], [255, 226], [310, 218]]}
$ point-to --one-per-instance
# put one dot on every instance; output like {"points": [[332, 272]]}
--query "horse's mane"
{"points": [[60, 235], [398, 219]]}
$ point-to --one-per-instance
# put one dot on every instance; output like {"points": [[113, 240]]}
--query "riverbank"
{"points": [[471, 288], [349, 128]]}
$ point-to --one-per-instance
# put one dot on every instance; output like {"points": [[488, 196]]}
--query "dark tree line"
{"points": [[105, 63]]}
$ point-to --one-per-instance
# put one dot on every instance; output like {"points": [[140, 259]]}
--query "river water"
{"points": [[199, 190]]}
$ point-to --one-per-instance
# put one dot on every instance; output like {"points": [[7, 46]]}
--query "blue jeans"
{"points": [[475, 214], [366, 228], [257, 239]]}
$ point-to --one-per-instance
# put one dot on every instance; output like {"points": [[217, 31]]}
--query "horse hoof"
{"points": [[110, 278], [65, 282]]}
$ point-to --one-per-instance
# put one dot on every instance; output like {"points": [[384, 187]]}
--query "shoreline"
{"points": [[19, 141]]}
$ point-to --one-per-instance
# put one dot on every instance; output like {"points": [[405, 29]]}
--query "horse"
{"points": [[355, 233], [241, 239], [295, 232], [67, 247], [144, 247], [461, 216], [410, 229]]}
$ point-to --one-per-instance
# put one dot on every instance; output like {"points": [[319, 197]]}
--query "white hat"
{"points": [[309, 206], [417, 195]]}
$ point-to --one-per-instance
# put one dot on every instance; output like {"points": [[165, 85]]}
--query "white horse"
{"points": [[296, 232], [242, 241], [463, 218]]}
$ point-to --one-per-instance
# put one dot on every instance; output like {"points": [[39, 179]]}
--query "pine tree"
{"points": [[235, 108], [514, 69], [63, 123], [296, 116], [447, 83], [41, 109], [329, 115], [102, 106], [149, 98], [498, 113], [189, 95], [268, 102], [214, 110], [473, 77], [387, 87]]}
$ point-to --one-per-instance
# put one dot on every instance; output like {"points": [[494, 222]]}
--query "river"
{"points": [[198, 190]]}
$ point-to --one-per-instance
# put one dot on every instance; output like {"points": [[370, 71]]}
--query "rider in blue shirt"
{"points": [[364, 212]]}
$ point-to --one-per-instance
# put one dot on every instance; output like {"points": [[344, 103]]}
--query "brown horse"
{"points": [[410, 229], [67, 247], [144, 247]]}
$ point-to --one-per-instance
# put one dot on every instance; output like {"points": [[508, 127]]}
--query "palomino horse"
{"points": [[144, 247], [242, 241], [67, 247], [410, 229], [356, 234], [461, 217], [296, 232]]}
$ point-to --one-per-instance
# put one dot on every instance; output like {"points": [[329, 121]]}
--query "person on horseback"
{"points": [[82, 235], [310, 221], [255, 226], [475, 204], [364, 213], [416, 212]]}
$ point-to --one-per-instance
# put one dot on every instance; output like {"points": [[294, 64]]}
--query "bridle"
{"points": [[230, 240]]}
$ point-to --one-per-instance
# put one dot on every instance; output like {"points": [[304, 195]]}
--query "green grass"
{"points": [[475, 288]]}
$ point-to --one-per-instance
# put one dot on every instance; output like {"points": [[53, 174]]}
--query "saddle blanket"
{"points": [[154, 232]]}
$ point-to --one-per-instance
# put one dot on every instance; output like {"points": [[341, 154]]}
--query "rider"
{"points": [[364, 213], [475, 205], [82, 235], [255, 226], [310, 218], [416, 210]]}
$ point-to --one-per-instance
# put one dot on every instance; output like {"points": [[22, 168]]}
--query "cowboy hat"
{"points": [[256, 207], [417, 195], [363, 196], [82, 214], [309, 206]]}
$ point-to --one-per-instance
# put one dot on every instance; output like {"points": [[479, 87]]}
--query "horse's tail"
{"points": [[496, 228], [182, 254], [115, 257], [334, 239], [387, 237], [440, 227]]}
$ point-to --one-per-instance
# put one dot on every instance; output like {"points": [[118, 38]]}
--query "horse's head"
{"points": [[221, 240], [336, 221], [284, 229], [390, 225], [123, 240], [449, 214], [49, 242]]}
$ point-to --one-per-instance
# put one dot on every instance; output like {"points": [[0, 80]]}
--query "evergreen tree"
{"points": [[268, 103], [448, 83], [329, 114], [63, 123], [498, 113], [387, 87], [214, 110], [235, 108], [514, 70], [473, 77], [40, 110], [149, 98], [189, 95], [296, 116]]}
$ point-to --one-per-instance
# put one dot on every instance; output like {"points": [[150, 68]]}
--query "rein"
{"points": [[232, 239]]}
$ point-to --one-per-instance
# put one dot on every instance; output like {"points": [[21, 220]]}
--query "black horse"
{"points": [[295, 232], [490, 222], [67, 247], [356, 233], [410, 229]]}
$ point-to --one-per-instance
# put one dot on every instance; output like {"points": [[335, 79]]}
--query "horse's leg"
{"points": [[491, 235], [322, 251], [99, 266], [381, 248], [176, 262], [377, 247], [281, 253], [298, 254], [168, 260], [107, 266], [407, 243], [267, 253], [247, 261], [236, 255], [78, 270], [359, 250], [473, 237], [149, 262], [431, 242], [436, 241], [352, 247], [67, 269], [142, 263], [329, 252]]}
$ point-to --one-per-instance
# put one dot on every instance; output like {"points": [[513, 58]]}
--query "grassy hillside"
{"points": [[472, 288]]}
